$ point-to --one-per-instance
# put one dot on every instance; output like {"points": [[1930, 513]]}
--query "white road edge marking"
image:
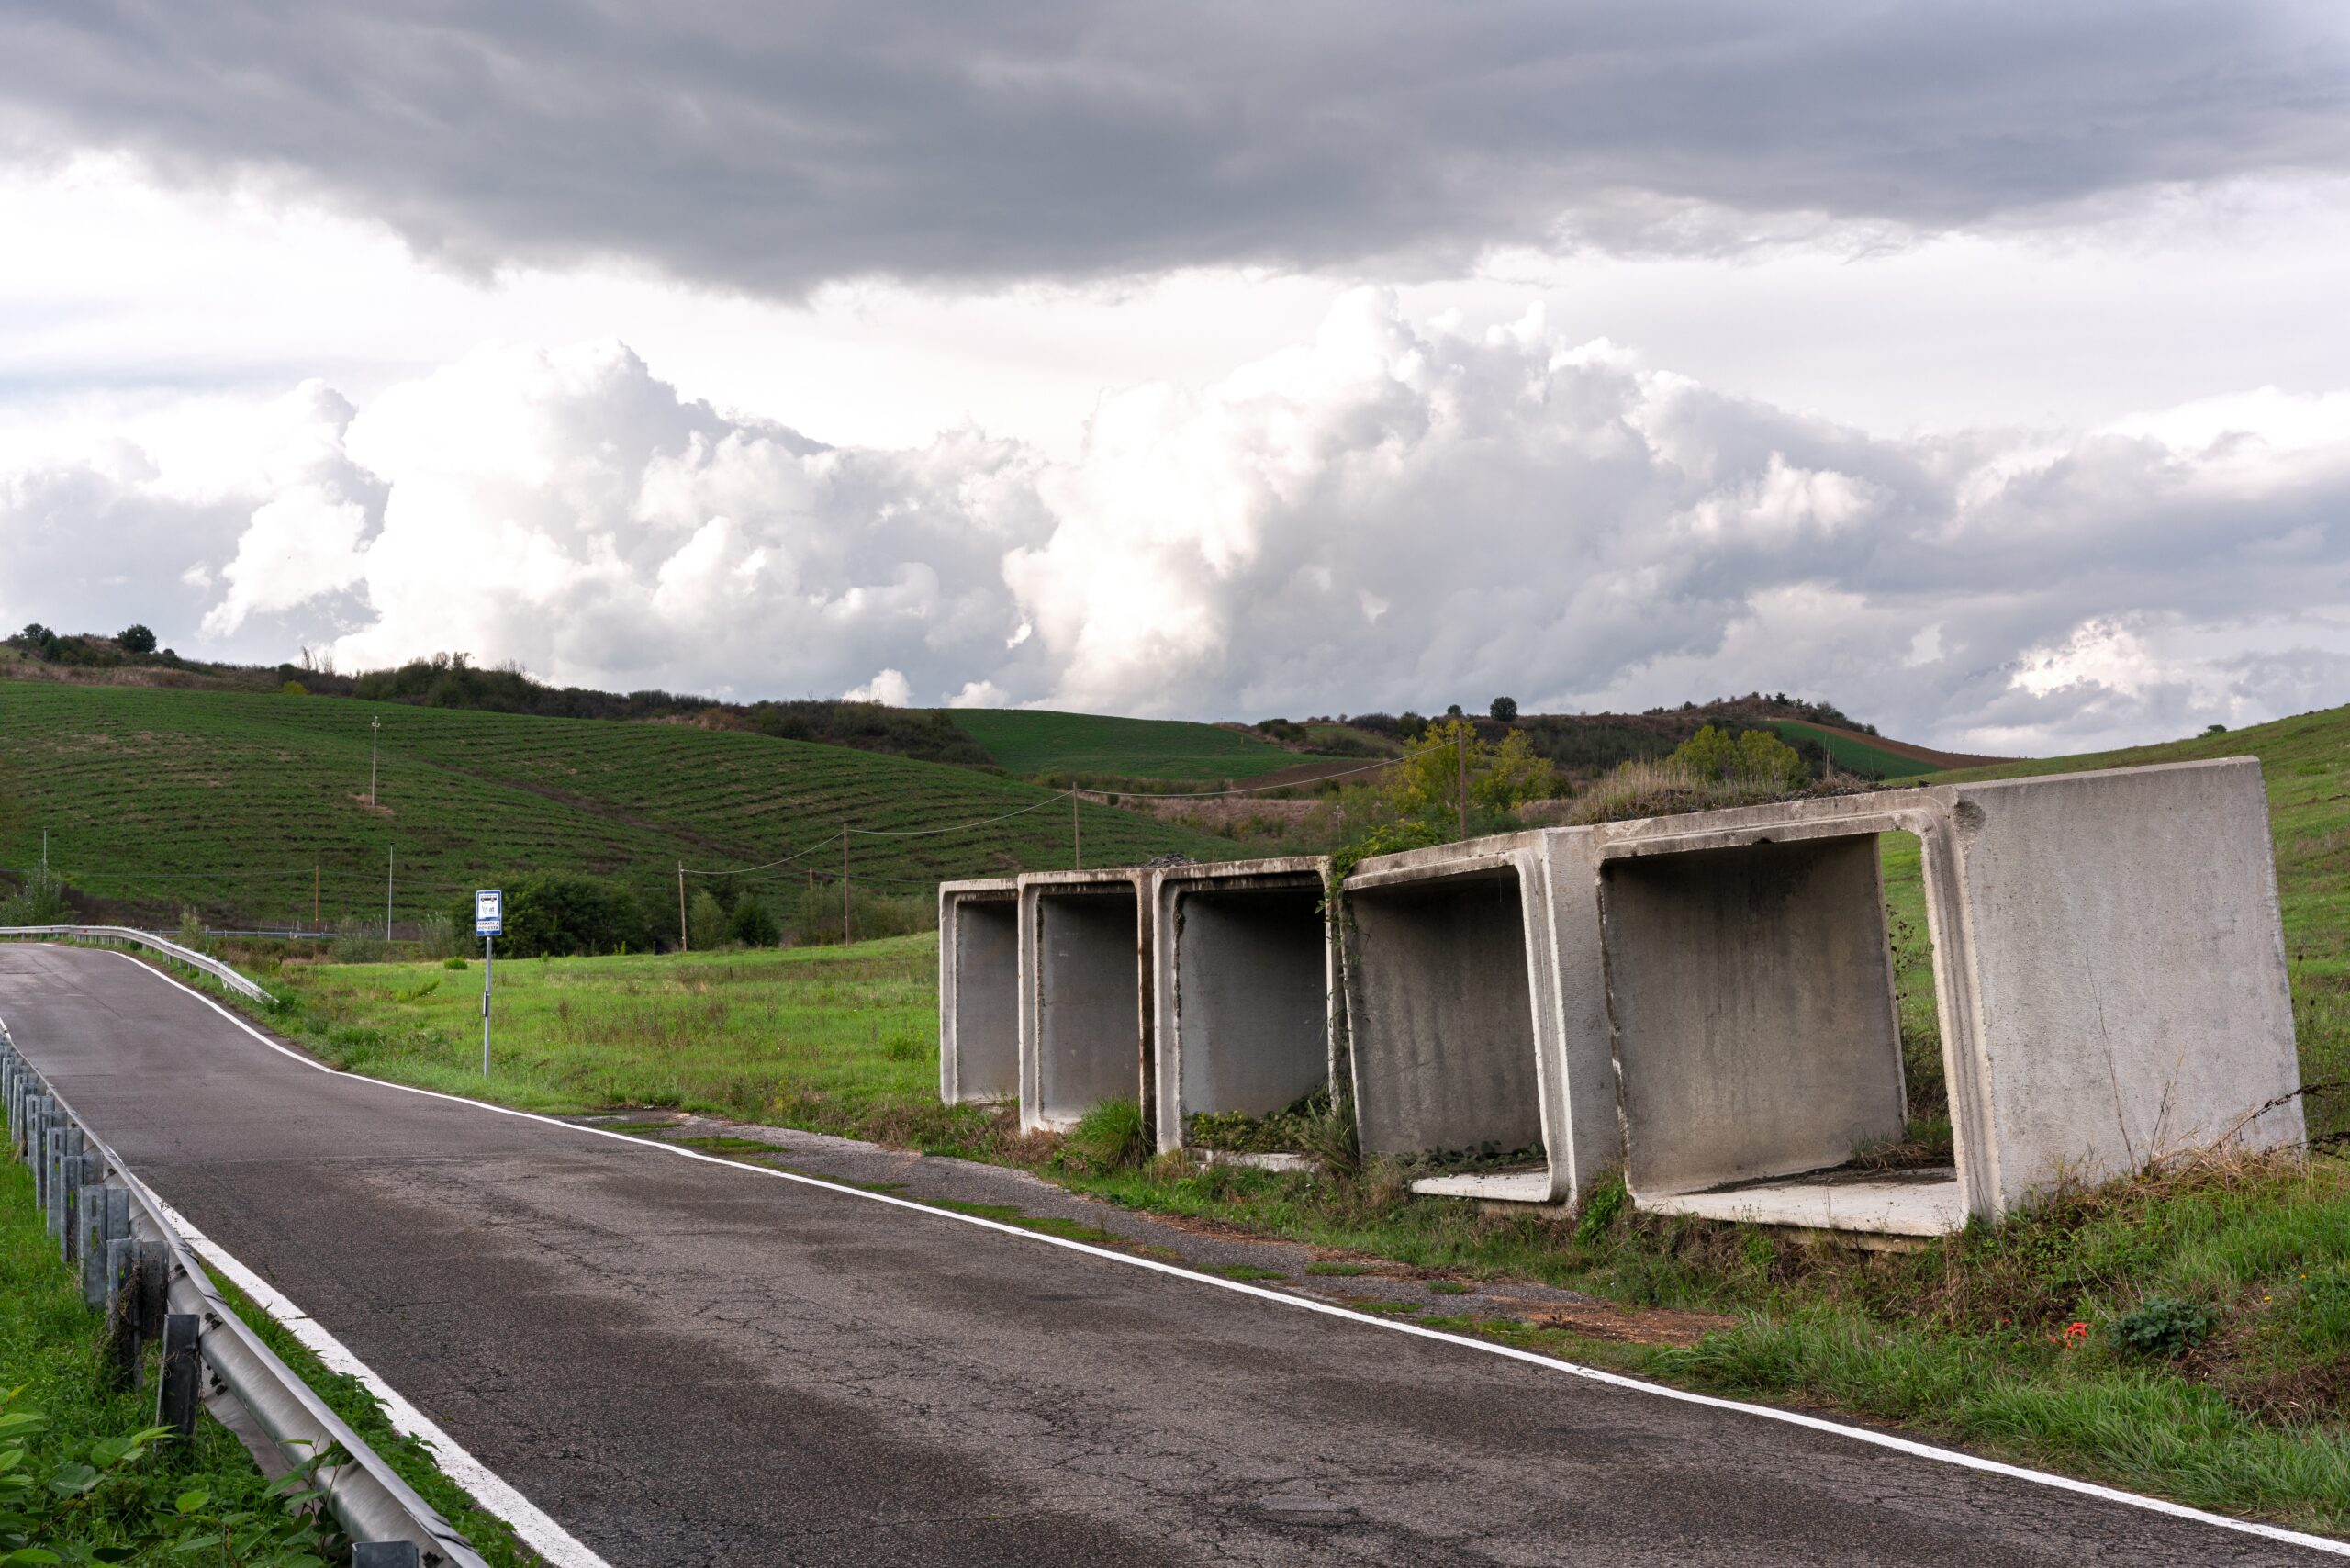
{"points": [[1550, 1364], [540, 1533]]}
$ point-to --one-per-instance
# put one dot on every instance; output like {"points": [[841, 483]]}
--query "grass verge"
{"points": [[105, 1485]]}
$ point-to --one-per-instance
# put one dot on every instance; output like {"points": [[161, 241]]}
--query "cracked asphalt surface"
{"points": [[692, 1363]]}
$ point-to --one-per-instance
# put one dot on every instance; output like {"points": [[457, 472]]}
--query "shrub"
{"points": [[40, 901], [816, 918], [439, 939], [753, 926], [2165, 1325], [706, 921], [558, 913], [294, 688], [1758, 757], [360, 942], [193, 933]]}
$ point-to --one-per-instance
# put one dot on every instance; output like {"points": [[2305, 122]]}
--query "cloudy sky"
{"points": [[1985, 368]]}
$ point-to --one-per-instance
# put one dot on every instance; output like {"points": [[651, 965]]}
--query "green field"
{"points": [[1031, 742], [1855, 757], [225, 802]]}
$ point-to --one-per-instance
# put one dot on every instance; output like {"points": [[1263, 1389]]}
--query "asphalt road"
{"points": [[689, 1363]]}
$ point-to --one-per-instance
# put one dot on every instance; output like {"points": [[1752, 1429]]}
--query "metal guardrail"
{"points": [[136, 1265], [165, 945]]}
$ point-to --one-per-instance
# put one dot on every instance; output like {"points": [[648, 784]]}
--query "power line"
{"points": [[958, 827]]}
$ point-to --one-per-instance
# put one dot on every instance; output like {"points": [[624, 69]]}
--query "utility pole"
{"points": [[683, 945], [391, 859], [44, 855], [844, 931], [1076, 834], [375, 731], [314, 895], [1460, 739]]}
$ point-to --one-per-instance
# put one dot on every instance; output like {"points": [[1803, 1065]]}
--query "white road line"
{"points": [[540, 1533], [1549, 1363]]}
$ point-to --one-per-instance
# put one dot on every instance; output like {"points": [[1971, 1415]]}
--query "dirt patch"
{"points": [[1623, 1326], [2297, 1396]]}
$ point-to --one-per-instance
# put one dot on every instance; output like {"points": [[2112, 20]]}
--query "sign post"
{"points": [[489, 925]]}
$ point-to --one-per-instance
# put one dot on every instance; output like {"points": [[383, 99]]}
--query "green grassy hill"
{"points": [[1857, 757], [1030, 740], [224, 802]]}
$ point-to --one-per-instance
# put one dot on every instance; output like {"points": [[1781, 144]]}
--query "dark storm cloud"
{"points": [[772, 148]]}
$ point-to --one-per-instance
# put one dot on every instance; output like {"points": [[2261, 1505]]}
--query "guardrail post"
{"points": [[123, 1343], [182, 1377], [45, 1123], [386, 1554], [52, 1196], [154, 1301], [69, 1192], [90, 1237], [37, 1150]]}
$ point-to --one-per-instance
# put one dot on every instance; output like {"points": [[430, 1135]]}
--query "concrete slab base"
{"points": [[1918, 1203], [1498, 1187], [1254, 1160]]}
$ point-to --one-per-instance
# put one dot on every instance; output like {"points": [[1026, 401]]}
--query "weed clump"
{"points": [[1299, 1127], [1110, 1136], [2164, 1326], [1609, 1199]]}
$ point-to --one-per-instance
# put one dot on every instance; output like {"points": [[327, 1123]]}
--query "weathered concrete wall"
{"points": [[1244, 973], [2109, 974], [1085, 995], [1447, 987], [979, 991], [2126, 963], [1751, 989], [1582, 1125]]}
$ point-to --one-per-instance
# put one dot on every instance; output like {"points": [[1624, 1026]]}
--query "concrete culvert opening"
{"points": [[978, 1022], [1441, 1013], [1245, 1027], [1089, 1045], [1757, 1038]]}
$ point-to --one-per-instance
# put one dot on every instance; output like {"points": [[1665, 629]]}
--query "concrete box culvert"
{"points": [[2109, 980], [1245, 986], [1085, 995], [1757, 1034], [979, 991], [1455, 1033]]}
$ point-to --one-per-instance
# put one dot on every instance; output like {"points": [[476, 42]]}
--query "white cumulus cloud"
{"points": [[1391, 514]]}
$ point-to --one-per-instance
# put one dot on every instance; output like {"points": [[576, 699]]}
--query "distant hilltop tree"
{"points": [[136, 639], [1504, 708]]}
